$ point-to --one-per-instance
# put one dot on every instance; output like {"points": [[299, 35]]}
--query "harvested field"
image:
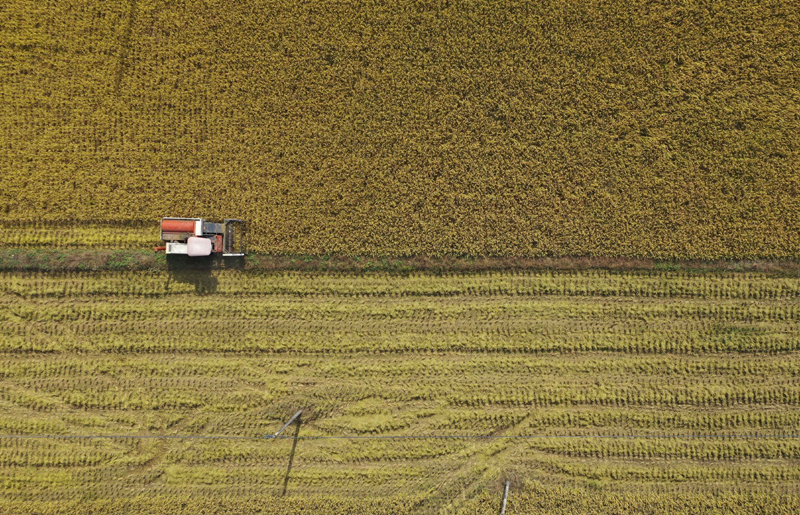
{"points": [[488, 127], [571, 358]]}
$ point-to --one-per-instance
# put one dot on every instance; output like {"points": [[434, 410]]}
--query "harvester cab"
{"points": [[195, 237]]}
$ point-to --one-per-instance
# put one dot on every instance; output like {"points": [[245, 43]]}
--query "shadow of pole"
{"points": [[291, 456]]}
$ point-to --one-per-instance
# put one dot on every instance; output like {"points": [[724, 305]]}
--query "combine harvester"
{"points": [[194, 237]]}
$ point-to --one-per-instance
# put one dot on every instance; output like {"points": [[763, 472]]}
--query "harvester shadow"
{"points": [[199, 272], [291, 455]]}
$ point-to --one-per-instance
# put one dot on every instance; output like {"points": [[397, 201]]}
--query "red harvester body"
{"points": [[196, 237]]}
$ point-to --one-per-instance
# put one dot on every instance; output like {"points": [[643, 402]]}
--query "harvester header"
{"points": [[195, 237]]}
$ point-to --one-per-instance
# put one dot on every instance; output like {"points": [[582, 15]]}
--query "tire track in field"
{"points": [[463, 483], [159, 450]]}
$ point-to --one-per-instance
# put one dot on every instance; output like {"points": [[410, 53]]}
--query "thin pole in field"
{"points": [[294, 417], [505, 499]]}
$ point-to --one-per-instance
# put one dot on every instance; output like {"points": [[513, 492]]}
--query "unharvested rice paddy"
{"points": [[567, 358], [500, 127]]}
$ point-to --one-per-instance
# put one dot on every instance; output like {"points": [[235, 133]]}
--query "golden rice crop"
{"points": [[539, 499], [488, 127], [583, 359]]}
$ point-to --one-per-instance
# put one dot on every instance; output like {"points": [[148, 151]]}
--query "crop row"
{"points": [[551, 421], [589, 468], [121, 455], [80, 235], [355, 470], [730, 368], [651, 284], [583, 313], [382, 342], [640, 395], [547, 499], [356, 478], [177, 502], [160, 395], [608, 420], [700, 450]]}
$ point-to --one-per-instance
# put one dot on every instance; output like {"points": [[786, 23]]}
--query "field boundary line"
{"points": [[28, 253], [390, 437]]}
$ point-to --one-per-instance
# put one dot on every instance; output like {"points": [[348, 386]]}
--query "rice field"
{"points": [[485, 127], [375, 148], [599, 370]]}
